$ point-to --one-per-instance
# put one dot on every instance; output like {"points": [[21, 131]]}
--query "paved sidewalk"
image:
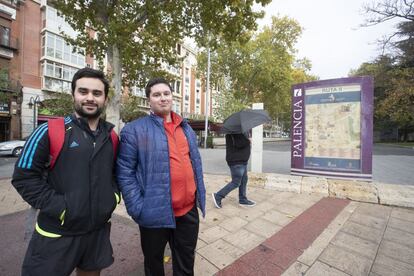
{"points": [[285, 233]]}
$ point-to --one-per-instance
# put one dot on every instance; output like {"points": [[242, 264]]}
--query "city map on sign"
{"points": [[333, 128]]}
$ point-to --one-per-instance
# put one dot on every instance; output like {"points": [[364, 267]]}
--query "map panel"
{"points": [[333, 128]]}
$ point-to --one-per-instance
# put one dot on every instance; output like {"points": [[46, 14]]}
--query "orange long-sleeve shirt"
{"points": [[183, 186]]}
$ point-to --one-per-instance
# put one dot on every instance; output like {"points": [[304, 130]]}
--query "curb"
{"points": [[357, 190]]}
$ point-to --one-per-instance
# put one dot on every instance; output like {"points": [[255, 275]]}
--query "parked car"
{"points": [[13, 147]]}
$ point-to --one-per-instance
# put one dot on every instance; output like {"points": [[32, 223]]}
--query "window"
{"points": [[43, 45], [66, 73], [57, 48], [57, 77], [66, 52], [49, 69], [58, 71], [178, 87], [4, 36]]}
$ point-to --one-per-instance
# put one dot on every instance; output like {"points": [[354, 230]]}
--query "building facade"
{"points": [[188, 90], [37, 62], [10, 85]]}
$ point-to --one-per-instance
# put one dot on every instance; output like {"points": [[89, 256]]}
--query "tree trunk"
{"points": [[113, 107], [404, 135]]}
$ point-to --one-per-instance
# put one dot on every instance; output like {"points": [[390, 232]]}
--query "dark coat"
{"points": [[81, 183], [237, 149]]}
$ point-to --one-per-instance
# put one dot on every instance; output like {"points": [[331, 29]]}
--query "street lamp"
{"points": [[207, 109], [33, 102]]}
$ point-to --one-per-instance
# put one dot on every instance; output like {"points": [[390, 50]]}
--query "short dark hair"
{"points": [[153, 82], [90, 73]]}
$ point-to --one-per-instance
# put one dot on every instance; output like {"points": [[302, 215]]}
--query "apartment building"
{"points": [[9, 86], [39, 63], [42, 63], [188, 90], [194, 92]]}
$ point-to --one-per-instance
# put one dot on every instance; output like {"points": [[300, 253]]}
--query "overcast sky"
{"points": [[332, 38]]}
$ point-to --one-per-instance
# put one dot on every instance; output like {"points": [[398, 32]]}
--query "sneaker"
{"points": [[216, 200], [247, 203]]}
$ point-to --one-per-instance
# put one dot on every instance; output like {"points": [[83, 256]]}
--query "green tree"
{"points": [[259, 70], [381, 70], [405, 44], [226, 104], [4, 85], [393, 91], [7, 89], [136, 36], [398, 105], [130, 108], [4, 78], [57, 104], [301, 71]]}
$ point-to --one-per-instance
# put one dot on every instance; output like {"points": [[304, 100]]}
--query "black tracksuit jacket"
{"points": [[82, 182]]}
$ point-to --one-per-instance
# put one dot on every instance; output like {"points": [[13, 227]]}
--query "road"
{"points": [[6, 166], [390, 164]]}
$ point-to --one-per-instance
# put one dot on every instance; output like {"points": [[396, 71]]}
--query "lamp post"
{"points": [[207, 109], [33, 102]]}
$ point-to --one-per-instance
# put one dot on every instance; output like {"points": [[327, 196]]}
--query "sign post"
{"points": [[332, 128]]}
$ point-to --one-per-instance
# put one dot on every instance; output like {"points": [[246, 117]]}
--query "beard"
{"points": [[81, 111]]}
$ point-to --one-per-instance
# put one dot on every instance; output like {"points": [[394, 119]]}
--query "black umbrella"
{"points": [[245, 120]]}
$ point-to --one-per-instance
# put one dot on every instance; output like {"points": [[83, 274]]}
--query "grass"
{"points": [[400, 144]]}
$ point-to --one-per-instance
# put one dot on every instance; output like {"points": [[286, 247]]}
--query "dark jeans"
{"points": [[238, 180], [182, 240]]}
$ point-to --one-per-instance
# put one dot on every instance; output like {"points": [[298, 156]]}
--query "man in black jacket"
{"points": [[237, 157], [77, 197]]}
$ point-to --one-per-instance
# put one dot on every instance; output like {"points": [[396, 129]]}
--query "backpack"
{"points": [[56, 139]]}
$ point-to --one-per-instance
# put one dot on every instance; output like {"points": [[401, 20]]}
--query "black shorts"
{"points": [[60, 256]]}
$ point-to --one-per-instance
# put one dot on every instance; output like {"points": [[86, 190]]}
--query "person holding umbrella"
{"points": [[238, 149]]}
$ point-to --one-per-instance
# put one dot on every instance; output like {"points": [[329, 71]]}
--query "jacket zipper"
{"points": [[169, 172], [192, 166], [91, 174], [182, 161]]}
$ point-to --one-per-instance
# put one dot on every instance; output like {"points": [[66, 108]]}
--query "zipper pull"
{"points": [[94, 143]]}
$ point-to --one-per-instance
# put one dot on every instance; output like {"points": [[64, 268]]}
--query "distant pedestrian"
{"points": [[76, 193], [160, 176], [237, 156]]}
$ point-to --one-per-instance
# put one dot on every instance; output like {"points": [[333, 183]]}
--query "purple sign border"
{"points": [[298, 127]]}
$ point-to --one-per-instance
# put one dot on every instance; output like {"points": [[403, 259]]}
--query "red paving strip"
{"points": [[278, 252]]}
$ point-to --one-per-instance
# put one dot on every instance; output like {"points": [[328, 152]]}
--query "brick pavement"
{"points": [[363, 239]]}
